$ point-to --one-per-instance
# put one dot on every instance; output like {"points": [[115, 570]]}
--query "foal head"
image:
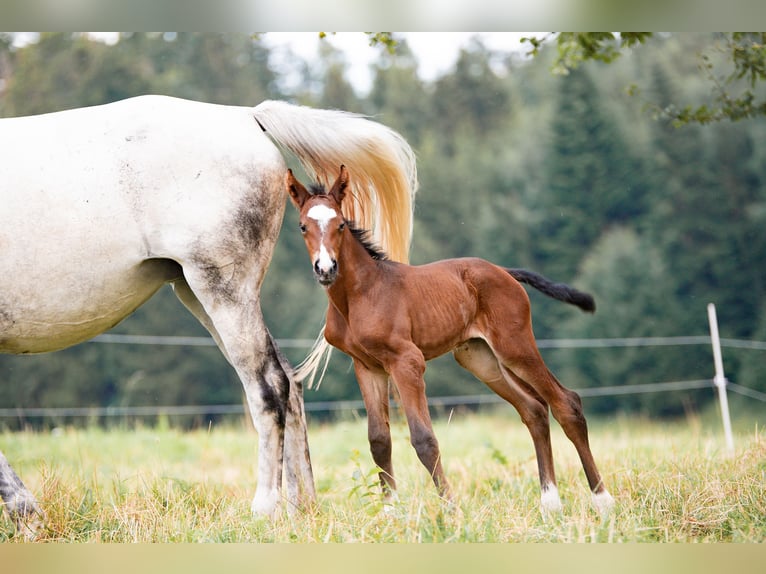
{"points": [[321, 222]]}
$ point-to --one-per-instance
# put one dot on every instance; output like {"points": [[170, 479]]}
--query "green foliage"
{"points": [[746, 54], [741, 54], [385, 39], [575, 48]]}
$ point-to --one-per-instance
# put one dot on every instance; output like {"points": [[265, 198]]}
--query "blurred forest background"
{"points": [[568, 175]]}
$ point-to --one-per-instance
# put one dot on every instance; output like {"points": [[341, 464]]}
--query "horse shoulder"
{"points": [[338, 333], [336, 328]]}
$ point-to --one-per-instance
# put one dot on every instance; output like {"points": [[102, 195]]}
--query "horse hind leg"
{"points": [[20, 503], [476, 357], [274, 399], [525, 362], [297, 459]]}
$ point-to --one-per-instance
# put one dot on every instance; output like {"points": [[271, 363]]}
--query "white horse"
{"points": [[101, 206]]}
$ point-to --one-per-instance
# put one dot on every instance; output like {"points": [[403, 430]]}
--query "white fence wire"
{"points": [[460, 400]]}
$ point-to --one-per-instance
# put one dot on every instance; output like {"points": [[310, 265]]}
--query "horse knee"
{"points": [[380, 446], [274, 388], [426, 446], [574, 403], [566, 404], [569, 413]]}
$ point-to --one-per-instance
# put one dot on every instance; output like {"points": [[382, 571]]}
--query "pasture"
{"points": [[672, 483]]}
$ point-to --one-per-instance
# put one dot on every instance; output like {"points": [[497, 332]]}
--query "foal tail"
{"points": [[382, 189], [559, 291]]}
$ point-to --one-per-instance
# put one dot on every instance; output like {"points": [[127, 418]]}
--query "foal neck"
{"points": [[359, 269]]}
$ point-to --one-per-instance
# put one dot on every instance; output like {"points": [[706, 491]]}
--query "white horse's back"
{"points": [[98, 201]]}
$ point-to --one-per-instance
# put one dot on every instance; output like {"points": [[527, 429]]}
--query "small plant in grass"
{"points": [[366, 487]]}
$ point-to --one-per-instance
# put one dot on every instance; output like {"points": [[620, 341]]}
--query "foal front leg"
{"points": [[407, 372], [374, 388]]}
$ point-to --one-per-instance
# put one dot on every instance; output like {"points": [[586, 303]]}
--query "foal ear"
{"points": [[338, 190], [298, 194]]}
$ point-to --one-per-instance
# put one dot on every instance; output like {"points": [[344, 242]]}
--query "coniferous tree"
{"points": [[592, 180]]}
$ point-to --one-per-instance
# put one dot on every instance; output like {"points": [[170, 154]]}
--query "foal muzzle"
{"points": [[326, 273]]}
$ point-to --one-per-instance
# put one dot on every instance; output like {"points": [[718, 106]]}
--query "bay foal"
{"points": [[391, 318]]}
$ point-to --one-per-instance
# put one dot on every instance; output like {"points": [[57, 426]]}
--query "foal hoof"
{"points": [[550, 502], [603, 502]]}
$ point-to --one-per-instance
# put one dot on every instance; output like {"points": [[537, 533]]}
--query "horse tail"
{"points": [[559, 291], [383, 182]]}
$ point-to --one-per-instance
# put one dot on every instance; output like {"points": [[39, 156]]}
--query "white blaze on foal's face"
{"points": [[323, 215]]}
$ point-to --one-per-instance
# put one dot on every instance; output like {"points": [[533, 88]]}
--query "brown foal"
{"points": [[391, 318]]}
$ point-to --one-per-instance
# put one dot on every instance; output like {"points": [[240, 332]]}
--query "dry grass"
{"points": [[672, 483]]}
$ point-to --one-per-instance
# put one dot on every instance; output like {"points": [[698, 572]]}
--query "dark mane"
{"points": [[361, 235]]}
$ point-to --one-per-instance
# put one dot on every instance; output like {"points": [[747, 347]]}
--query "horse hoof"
{"points": [[604, 502], [26, 515], [265, 504], [30, 527], [550, 502]]}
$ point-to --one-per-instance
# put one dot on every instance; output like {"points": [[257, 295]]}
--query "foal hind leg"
{"points": [[21, 504], [477, 357], [374, 388], [523, 359]]}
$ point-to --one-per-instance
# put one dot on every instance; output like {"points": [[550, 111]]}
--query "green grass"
{"points": [[672, 483]]}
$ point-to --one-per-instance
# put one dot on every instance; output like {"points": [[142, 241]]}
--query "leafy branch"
{"points": [[745, 51]]}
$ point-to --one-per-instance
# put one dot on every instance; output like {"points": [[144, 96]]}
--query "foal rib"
{"points": [[559, 291]]}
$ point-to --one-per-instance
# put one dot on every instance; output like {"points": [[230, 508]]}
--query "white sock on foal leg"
{"points": [[603, 502], [550, 502]]}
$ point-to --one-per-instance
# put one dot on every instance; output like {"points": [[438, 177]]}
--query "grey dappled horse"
{"points": [[101, 206]]}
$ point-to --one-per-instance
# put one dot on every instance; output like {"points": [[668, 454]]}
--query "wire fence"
{"points": [[357, 405], [113, 338]]}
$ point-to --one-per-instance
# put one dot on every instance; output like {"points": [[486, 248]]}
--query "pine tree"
{"points": [[592, 181]]}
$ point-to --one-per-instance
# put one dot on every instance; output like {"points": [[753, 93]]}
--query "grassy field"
{"points": [[672, 483]]}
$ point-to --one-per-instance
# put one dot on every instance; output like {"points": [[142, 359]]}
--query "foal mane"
{"points": [[363, 236]]}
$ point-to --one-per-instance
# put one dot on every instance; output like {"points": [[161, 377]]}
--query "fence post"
{"points": [[719, 379]]}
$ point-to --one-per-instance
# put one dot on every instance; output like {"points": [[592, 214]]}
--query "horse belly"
{"points": [[48, 316]]}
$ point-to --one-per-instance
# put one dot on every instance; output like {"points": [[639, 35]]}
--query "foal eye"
{"points": [[342, 226], [302, 228]]}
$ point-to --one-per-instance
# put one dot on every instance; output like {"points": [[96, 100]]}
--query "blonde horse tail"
{"points": [[384, 179]]}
